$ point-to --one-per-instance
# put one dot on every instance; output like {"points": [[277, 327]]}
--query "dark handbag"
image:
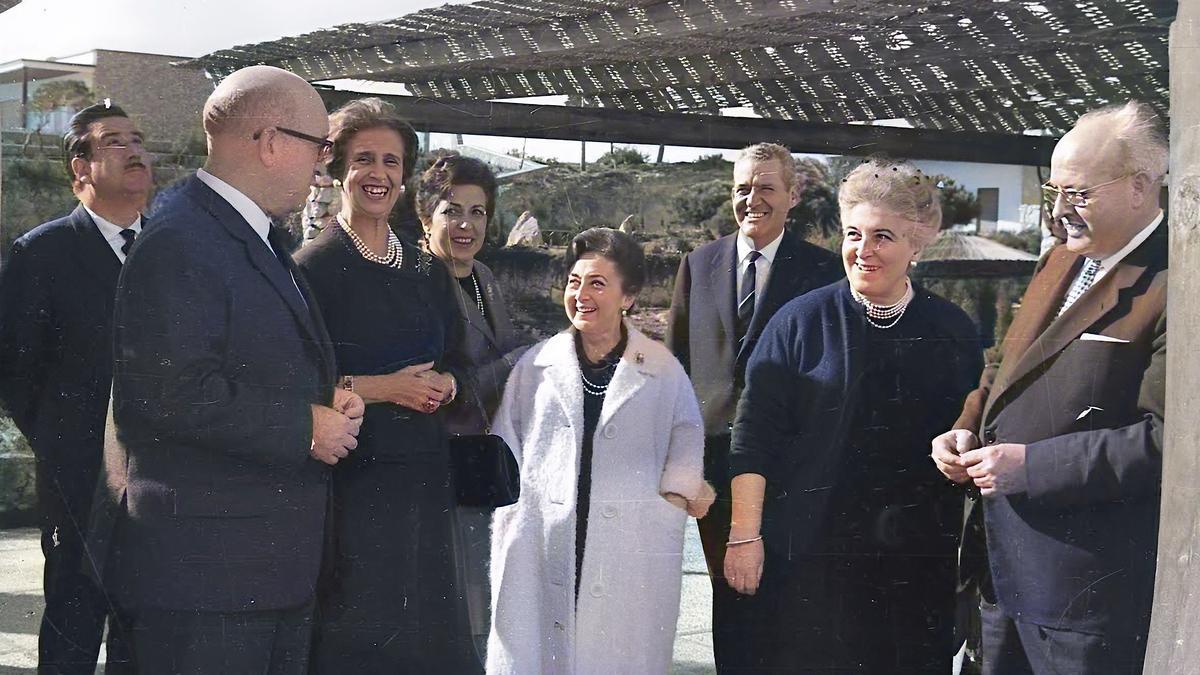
{"points": [[485, 471]]}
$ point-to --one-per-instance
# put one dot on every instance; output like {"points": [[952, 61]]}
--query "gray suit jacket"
{"points": [[700, 330], [491, 352]]}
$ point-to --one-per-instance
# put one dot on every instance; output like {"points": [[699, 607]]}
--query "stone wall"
{"points": [[16, 477]]}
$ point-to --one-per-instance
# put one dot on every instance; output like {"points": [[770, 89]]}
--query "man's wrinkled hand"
{"points": [[997, 469], [947, 451], [334, 434], [348, 403]]}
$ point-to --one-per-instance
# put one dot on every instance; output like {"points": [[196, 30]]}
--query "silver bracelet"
{"points": [[744, 541]]}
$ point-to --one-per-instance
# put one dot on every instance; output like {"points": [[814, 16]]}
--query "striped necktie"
{"points": [[1087, 276], [746, 299]]}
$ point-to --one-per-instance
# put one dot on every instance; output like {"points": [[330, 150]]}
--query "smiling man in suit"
{"points": [[725, 292], [226, 415], [56, 303], [1071, 422]]}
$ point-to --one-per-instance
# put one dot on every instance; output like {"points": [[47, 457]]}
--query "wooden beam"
{"points": [[706, 131], [1173, 646]]}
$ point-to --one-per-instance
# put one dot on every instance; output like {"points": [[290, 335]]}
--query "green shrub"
{"points": [[698, 203], [624, 156]]}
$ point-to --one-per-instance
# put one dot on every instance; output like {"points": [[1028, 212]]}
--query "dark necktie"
{"points": [[745, 306], [278, 246], [128, 235]]}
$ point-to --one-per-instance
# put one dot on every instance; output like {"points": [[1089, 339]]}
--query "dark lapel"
{"points": [[787, 273], [1054, 334], [322, 341], [466, 304], [92, 251], [724, 284], [260, 256]]}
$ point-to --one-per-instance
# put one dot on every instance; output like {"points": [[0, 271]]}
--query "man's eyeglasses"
{"points": [[1075, 197], [324, 145]]}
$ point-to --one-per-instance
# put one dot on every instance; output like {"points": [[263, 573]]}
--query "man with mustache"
{"points": [[56, 303], [1064, 439], [725, 293]]}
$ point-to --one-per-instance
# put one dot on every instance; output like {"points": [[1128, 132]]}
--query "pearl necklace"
{"points": [[478, 295], [592, 388], [885, 312], [394, 257]]}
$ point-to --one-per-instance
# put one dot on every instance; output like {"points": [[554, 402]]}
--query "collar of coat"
{"points": [[643, 359]]}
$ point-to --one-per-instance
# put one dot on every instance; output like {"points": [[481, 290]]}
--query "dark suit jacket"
{"points": [[701, 325], [491, 353], [1077, 550], [219, 506], [56, 305]]}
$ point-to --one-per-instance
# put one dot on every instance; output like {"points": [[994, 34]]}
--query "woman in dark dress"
{"points": [[455, 200], [838, 512], [390, 600]]}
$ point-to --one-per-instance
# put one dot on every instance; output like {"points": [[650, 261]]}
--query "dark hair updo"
{"points": [[621, 249], [363, 114], [447, 170]]}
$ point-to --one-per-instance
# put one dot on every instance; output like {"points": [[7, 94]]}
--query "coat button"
{"points": [[597, 590], [989, 437], [609, 511], [610, 431]]}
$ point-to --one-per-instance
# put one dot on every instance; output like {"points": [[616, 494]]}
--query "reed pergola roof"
{"points": [[966, 256], [991, 66]]}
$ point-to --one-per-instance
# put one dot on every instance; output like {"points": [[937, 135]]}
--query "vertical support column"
{"points": [[1174, 643]]}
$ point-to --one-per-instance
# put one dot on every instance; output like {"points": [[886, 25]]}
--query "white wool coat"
{"points": [[649, 441]]}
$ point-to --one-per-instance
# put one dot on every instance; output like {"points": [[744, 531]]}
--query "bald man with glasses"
{"points": [[225, 412]]}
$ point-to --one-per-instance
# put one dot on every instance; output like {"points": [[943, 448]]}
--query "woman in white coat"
{"points": [[587, 566]]}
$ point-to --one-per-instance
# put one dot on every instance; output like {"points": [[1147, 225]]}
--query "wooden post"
{"points": [[582, 155], [661, 149], [1174, 642]]}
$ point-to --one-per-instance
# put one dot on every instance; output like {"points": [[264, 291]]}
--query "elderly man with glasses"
{"points": [[1064, 438], [224, 408]]}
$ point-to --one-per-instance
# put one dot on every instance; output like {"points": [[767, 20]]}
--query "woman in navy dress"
{"points": [[390, 600], [842, 529]]}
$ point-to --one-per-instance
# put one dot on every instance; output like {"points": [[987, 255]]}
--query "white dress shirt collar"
{"points": [[253, 213], [112, 232], [1113, 260], [745, 245]]}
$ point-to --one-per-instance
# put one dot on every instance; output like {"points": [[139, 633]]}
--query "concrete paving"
{"points": [[21, 606]]}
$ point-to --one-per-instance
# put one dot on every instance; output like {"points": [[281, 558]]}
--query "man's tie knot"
{"points": [[1087, 276], [128, 235]]}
